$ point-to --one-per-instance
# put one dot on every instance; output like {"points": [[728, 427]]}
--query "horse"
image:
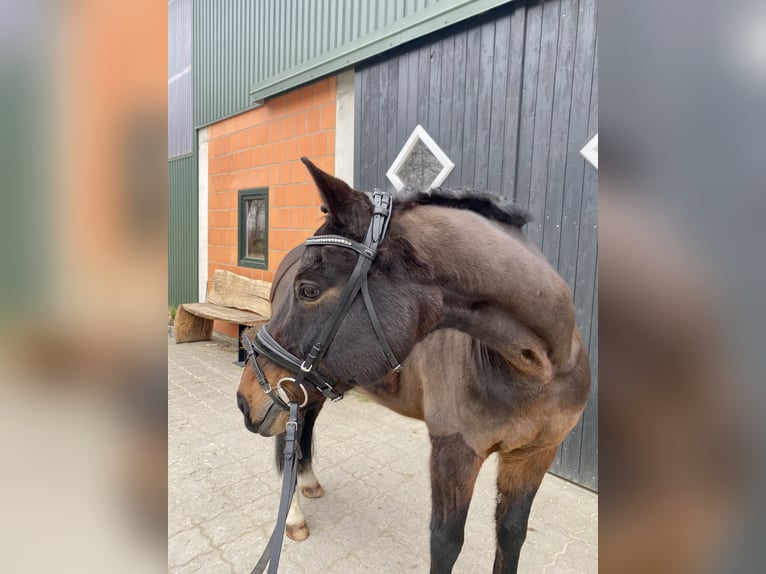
{"points": [[491, 357]]}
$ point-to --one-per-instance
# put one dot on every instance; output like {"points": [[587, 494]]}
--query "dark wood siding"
{"points": [[511, 98]]}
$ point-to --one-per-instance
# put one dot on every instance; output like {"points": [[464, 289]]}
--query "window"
{"points": [[421, 163], [590, 151], [254, 228]]}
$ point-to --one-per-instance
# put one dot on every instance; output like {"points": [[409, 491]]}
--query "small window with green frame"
{"points": [[254, 228]]}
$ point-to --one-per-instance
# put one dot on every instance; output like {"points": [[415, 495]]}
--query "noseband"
{"points": [[304, 370]]}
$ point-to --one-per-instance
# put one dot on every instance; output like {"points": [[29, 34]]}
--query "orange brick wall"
{"points": [[261, 148]]}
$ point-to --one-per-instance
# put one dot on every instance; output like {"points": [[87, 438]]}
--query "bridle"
{"points": [[304, 370]]}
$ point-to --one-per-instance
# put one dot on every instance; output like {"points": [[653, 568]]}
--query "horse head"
{"points": [[308, 296]]}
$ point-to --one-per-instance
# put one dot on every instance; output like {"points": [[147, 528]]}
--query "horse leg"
{"points": [[308, 485], [454, 468], [518, 478]]}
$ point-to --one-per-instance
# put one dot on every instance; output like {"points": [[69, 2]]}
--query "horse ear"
{"points": [[344, 204]]}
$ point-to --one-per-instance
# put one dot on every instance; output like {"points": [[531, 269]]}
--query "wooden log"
{"points": [[228, 289], [190, 327]]}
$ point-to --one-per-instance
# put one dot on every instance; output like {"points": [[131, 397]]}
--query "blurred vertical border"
{"points": [[83, 236], [682, 198]]}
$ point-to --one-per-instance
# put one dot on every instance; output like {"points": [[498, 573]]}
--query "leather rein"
{"points": [[304, 370]]}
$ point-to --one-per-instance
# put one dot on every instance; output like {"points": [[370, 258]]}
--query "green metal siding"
{"points": [[183, 230], [245, 51]]}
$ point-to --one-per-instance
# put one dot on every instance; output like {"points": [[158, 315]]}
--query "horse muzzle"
{"points": [[269, 423]]}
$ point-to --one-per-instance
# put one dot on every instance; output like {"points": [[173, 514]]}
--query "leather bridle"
{"points": [[305, 370]]}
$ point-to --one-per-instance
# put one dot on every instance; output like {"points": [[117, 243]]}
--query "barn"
{"points": [[483, 94]]}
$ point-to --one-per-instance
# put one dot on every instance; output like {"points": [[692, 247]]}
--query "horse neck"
{"points": [[496, 286]]}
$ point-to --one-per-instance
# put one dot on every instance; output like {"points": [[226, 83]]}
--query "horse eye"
{"points": [[308, 291]]}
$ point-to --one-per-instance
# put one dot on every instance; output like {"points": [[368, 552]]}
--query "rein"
{"points": [[289, 479], [304, 370]]}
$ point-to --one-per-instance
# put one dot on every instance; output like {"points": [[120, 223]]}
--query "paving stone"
{"points": [[223, 490]]}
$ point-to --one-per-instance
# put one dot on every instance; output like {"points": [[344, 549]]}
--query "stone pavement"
{"points": [[223, 489]]}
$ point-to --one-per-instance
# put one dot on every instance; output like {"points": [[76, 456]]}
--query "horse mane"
{"points": [[484, 203]]}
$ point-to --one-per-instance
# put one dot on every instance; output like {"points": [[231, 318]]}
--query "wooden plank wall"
{"points": [[511, 98]]}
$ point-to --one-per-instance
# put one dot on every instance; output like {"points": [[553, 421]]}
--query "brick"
{"points": [[291, 239], [228, 329], [305, 146], [268, 275], [252, 137], [281, 153], [257, 156], [276, 218], [319, 144], [273, 171], [219, 254], [292, 150], [298, 125], [249, 178], [326, 164], [276, 239], [312, 120], [275, 131], [263, 134], [304, 234], [222, 200], [261, 177], [296, 218], [307, 195], [280, 196], [247, 159], [277, 258], [327, 117], [292, 196], [268, 154], [313, 219], [299, 99], [330, 135], [324, 91], [222, 237], [217, 219], [297, 172], [237, 142]]}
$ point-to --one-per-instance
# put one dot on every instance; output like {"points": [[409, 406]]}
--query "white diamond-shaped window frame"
{"points": [[420, 134], [590, 151]]}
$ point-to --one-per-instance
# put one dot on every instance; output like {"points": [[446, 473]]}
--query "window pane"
{"points": [[420, 167], [256, 228]]}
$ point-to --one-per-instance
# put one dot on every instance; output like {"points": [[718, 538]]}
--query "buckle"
{"points": [[294, 423], [304, 369]]}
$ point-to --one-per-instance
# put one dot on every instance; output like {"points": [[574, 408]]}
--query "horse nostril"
{"points": [[242, 404]]}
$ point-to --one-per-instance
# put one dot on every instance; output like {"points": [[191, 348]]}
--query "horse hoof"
{"points": [[313, 491], [297, 533]]}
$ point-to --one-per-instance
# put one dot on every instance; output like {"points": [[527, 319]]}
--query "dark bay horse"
{"points": [[492, 359]]}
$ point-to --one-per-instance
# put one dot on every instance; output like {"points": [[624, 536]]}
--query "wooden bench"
{"points": [[231, 298]]}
